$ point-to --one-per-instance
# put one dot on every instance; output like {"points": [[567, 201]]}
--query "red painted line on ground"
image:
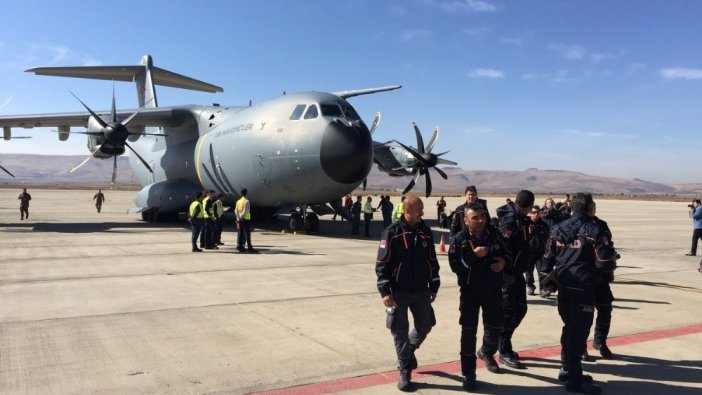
{"points": [[390, 377]]}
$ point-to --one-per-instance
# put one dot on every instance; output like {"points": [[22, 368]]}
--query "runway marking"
{"points": [[390, 377]]}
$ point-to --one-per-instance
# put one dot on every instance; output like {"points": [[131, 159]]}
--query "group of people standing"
{"points": [[490, 261], [206, 217]]}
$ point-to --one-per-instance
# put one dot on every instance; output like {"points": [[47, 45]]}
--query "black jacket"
{"points": [[407, 259], [538, 236], [513, 227], [474, 272], [581, 249]]}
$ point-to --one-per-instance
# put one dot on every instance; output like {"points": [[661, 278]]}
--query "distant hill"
{"points": [[53, 170]]}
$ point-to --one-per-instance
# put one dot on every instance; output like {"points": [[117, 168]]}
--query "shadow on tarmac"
{"points": [[89, 227]]}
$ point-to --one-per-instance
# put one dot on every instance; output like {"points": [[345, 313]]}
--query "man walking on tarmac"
{"points": [[581, 249], [99, 198], [24, 199], [514, 228], [408, 279]]}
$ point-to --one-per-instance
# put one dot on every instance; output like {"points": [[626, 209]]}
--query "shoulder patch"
{"points": [[383, 243], [507, 234], [452, 249]]}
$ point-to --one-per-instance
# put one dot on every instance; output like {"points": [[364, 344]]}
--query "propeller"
{"points": [[376, 121], [7, 171], [425, 159], [115, 134]]}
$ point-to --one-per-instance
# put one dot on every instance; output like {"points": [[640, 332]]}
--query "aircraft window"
{"points": [[351, 114], [297, 112], [311, 112], [331, 110]]}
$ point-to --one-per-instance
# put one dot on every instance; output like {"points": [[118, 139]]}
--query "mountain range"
{"points": [[52, 171]]}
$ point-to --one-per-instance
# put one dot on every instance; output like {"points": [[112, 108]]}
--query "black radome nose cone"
{"points": [[347, 152]]}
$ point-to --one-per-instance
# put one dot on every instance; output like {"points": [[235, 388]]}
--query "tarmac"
{"points": [[107, 304]]}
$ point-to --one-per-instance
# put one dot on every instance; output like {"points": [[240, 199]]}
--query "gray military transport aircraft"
{"points": [[296, 154]]}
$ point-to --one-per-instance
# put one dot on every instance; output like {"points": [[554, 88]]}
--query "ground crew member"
{"points": [[399, 210], [99, 198], [356, 212], [243, 223], [581, 251], [514, 229], [219, 219], [195, 215], [368, 215], [478, 255], [440, 208], [471, 195], [408, 278], [386, 209], [208, 217], [24, 199]]}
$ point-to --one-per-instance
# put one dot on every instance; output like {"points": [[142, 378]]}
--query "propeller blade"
{"points": [[114, 107], [432, 140], [76, 167], [88, 133], [365, 182], [129, 118], [411, 184], [148, 134], [440, 161], [140, 158], [428, 180], [376, 121], [441, 172], [97, 118], [414, 153], [420, 140], [114, 171], [7, 171]]}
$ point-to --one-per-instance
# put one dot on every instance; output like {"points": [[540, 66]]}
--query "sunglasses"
{"points": [[533, 212]]}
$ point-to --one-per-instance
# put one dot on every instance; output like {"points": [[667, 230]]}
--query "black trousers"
{"points": [[472, 301], [576, 306], [696, 235], [244, 236], [355, 224], [419, 303], [603, 305], [514, 308]]}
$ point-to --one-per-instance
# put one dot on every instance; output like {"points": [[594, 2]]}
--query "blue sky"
{"points": [[610, 88]]}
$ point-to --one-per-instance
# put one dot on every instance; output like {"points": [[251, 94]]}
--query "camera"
{"points": [[690, 206]]}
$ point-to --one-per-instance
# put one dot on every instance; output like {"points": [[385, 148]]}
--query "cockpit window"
{"points": [[297, 112], [350, 113], [312, 112], [331, 110]]}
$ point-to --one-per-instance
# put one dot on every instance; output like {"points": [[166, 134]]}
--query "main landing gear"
{"points": [[309, 222]]}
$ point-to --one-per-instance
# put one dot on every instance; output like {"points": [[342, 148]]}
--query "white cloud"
{"points": [[461, 5], [576, 52], [90, 61], [486, 73], [677, 73], [477, 32], [410, 35]]}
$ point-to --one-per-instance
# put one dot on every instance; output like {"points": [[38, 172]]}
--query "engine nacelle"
{"points": [[64, 132], [167, 196]]}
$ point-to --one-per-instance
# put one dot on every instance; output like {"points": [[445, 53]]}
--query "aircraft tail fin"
{"points": [[145, 75]]}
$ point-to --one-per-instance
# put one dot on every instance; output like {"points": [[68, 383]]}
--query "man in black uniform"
{"points": [[99, 198], [408, 278], [477, 254], [24, 199], [582, 251], [538, 235], [356, 212], [603, 300], [471, 195], [514, 228]]}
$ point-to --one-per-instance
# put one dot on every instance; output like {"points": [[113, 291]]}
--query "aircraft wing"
{"points": [[160, 116]]}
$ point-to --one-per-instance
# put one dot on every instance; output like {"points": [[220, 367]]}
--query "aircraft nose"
{"points": [[346, 152]]}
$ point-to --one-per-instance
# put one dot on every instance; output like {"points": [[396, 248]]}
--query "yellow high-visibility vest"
{"points": [[399, 211], [205, 214], [240, 206], [218, 208], [193, 206]]}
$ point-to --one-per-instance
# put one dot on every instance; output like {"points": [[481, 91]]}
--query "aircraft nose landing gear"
{"points": [[309, 223]]}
